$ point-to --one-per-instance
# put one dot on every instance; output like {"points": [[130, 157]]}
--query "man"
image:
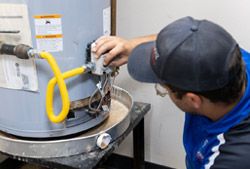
{"points": [[205, 73]]}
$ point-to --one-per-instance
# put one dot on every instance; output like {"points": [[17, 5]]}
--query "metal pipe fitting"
{"points": [[21, 51]]}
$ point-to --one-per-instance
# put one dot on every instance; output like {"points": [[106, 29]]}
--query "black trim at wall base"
{"points": [[117, 161]]}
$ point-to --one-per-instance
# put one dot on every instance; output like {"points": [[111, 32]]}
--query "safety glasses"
{"points": [[161, 90]]}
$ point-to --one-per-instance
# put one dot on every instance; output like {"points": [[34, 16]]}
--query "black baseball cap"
{"points": [[190, 54]]}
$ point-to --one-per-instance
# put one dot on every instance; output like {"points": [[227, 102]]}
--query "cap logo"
{"points": [[154, 55]]}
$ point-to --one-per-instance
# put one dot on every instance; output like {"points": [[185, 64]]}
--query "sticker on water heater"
{"points": [[49, 36], [15, 29], [50, 43], [107, 21]]}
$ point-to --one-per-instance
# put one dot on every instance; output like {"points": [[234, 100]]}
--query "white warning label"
{"points": [[49, 36], [107, 21], [15, 29]]}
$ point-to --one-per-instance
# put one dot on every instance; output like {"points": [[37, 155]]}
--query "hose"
{"points": [[25, 52], [59, 79]]}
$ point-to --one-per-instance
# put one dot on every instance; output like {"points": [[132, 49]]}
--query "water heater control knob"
{"points": [[98, 62]]}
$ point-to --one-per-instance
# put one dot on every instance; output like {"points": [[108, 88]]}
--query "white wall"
{"points": [[163, 125]]}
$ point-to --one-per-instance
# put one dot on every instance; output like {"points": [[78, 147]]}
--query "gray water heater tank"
{"points": [[64, 28]]}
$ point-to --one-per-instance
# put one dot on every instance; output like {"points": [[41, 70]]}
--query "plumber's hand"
{"points": [[115, 48]]}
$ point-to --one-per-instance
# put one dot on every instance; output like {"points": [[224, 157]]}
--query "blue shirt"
{"points": [[203, 137]]}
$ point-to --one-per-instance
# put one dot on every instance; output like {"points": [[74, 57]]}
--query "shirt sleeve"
{"points": [[235, 153]]}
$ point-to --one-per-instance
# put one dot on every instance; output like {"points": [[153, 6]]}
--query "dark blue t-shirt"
{"points": [[204, 138]]}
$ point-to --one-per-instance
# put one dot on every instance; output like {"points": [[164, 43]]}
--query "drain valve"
{"points": [[103, 140]]}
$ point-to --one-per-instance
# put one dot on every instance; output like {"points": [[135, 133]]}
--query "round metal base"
{"points": [[116, 124]]}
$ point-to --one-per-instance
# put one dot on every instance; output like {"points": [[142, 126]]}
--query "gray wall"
{"points": [[141, 17]]}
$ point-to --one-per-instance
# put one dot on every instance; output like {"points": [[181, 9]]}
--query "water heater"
{"points": [[65, 29]]}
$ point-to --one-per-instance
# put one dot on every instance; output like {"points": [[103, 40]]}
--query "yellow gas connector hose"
{"points": [[59, 79]]}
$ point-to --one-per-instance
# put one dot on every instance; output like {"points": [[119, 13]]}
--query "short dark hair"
{"points": [[229, 93]]}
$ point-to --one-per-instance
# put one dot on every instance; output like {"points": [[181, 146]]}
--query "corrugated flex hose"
{"points": [[58, 79]]}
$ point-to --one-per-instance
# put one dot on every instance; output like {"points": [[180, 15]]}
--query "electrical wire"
{"points": [[101, 91]]}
